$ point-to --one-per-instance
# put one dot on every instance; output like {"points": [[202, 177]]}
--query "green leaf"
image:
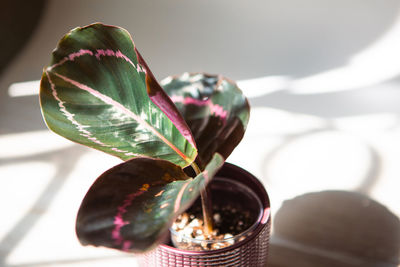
{"points": [[99, 92], [215, 109], [131, 206]]}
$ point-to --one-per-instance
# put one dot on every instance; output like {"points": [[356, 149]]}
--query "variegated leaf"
{"points": [[99, 92], [215, 109], [131, 206]]}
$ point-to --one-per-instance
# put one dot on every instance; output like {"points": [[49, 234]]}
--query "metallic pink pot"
{"points": [[252, 251]]}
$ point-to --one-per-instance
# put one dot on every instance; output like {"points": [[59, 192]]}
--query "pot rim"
{"points": [[256, 187]]}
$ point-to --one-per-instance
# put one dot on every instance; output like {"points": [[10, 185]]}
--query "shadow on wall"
{"points": [[254, 38], [251, 39], [19, 19], [330, 105], [241, 40], [335, 228]]}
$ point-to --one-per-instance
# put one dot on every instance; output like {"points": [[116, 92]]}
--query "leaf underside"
{"points": [[215, 109], [131, 206], [99, 92]]}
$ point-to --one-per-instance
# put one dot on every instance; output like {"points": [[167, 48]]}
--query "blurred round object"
{"points": [[319, 161]]}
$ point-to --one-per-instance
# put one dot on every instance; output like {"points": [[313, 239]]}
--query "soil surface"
{"points": [[229, 223]]}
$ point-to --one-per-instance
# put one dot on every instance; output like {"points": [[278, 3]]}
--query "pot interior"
{"points": [[226, 192], [239, 203]]}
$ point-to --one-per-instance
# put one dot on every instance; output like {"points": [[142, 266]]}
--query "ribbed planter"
{"points": [[241, 187]]}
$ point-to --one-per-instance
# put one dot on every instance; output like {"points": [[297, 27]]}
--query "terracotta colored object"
{"points": [[252, 251]]}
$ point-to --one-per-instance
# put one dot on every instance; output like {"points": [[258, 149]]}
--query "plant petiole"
{"points": [[206, 205]]}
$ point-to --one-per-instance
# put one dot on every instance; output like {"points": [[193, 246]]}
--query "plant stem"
{"points": [[207, 211], [205, 204]]}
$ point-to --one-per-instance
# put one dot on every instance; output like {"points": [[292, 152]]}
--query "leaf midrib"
{"points": [[108, 100]]}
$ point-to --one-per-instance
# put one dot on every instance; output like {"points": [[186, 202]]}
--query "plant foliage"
{"points": [[98, 91]]}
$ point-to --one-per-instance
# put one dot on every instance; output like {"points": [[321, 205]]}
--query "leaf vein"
{"points": [[119, 106]]}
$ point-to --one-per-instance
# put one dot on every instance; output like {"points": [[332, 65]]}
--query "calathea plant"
{"points": [[98, 91]]}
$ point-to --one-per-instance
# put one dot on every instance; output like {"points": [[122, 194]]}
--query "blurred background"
{"points": [[323, 80]]}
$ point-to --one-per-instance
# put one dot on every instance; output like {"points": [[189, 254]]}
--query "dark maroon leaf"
{"points": [[131, 206]]}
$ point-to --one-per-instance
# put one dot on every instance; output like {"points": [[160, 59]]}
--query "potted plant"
{"points": [[98, 91]]}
